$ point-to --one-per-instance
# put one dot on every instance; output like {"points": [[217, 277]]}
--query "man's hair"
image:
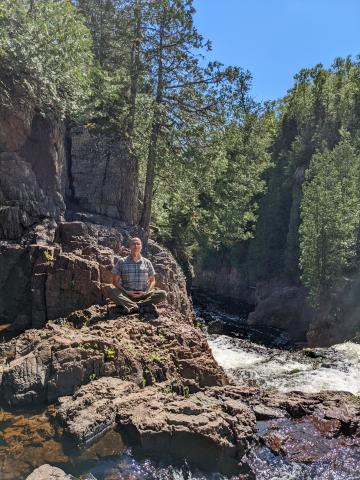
{"points": [[133, 239]]}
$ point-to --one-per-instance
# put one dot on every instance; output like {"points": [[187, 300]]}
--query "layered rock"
{"points": [[32, 172], [50, 279], [208, 432], [42, 365]]}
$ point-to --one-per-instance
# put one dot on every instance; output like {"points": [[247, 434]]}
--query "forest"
{"points": [[274, 186]]}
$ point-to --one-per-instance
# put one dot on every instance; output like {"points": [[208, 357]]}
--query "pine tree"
{"points": [[329, 218]]}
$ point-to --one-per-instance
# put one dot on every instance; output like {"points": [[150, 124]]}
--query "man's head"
{"points": [[135, 246]]}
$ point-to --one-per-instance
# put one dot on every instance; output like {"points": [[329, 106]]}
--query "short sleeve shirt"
{"points": [[134, 274]]}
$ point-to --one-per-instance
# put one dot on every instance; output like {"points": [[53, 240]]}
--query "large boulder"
{"points": [[42, 365], [210, 433]]}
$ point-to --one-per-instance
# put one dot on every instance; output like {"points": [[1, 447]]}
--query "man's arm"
{"points": [[116, 280], [151, 285]]}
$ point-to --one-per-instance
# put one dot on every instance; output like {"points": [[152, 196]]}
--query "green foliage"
{"points": [[47, 256], [208, 198], [155, 357], [322, 103], [109, 352], [94, 347], [186, 392], [45, 55], [330, 218]]}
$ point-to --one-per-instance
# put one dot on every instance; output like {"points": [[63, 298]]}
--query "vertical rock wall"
{"points": [[103, 176], [32, 172]]}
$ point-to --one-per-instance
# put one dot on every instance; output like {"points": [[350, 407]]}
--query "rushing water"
{"points": [[28, 440], [335, 368]]}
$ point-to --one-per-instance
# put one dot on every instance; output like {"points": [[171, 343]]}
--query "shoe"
{"points": [[149, 310]]}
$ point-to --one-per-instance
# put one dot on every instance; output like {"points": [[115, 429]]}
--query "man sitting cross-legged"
{"points": [[134, 282]]}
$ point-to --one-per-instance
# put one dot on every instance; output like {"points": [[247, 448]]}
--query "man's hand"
{"points": [[136, 294]]}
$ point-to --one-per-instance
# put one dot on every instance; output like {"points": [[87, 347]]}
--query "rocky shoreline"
{"points": [[157, 383]]}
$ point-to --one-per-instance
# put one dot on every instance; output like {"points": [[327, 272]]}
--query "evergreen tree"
{"points": [[188, 98], [329, 218], [45, 55]]}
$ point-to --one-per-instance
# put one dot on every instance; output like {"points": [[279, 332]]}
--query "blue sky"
{"points": [[274, 39]]}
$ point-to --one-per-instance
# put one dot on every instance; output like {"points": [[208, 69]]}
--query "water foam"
{"points": [[285, 371]]}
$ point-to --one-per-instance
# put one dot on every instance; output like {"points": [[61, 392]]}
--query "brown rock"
{"points": [[100, 183], [209, 433], [47, 472], [56, 360], [282, 306]]}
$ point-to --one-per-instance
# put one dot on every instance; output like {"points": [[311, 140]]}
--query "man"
{"points": [[134, 283]]}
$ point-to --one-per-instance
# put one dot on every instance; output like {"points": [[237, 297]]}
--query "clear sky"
{"points": [[274, 39]]}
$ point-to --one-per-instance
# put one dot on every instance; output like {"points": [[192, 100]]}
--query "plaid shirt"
{"points": [[134, 275]]}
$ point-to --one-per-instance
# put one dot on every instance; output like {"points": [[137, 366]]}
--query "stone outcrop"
{"points": [[47, 279], [36, 182], [43, 166], [282, 306], [42, 365], [338, 320], [211, 433], [32, 172], [224, 280]]}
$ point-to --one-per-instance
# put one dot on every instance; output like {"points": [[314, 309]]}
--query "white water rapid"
{"points": [[334, 368]]}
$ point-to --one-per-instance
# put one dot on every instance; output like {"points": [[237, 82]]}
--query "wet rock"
{"points": [[308, 441], [47, 472], [215, 327], [208, 432], [29, 439], [265, 413], [330, 412]]}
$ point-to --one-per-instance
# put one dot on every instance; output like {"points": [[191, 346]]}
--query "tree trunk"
{"points": [[150, 173], [134, 70], [155, 132]]}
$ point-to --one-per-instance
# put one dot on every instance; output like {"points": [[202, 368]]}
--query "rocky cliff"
{"points": [[283, 304], [46, 170]]}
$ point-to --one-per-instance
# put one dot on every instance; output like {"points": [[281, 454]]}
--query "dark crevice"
{"points": [[70, 193]]}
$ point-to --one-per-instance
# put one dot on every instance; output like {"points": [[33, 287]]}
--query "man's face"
{"points": [[135, 246]]}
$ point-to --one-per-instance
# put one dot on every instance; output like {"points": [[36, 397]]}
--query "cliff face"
{"points": [[50, 267], [102, 176], [32, 172], [283, 304]]}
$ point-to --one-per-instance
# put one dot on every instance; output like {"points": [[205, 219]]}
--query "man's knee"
{"points": [[159, 295]]}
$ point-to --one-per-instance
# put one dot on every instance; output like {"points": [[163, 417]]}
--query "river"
{"points": [[29, 439]]}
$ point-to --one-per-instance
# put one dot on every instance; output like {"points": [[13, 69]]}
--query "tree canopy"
{"points": [[45, 55]]}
